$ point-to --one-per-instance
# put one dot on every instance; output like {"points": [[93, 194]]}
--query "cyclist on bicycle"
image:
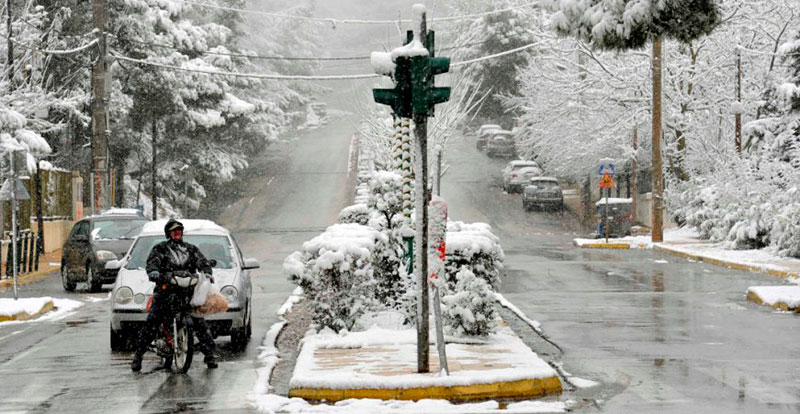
{"points": [[167, 260]]}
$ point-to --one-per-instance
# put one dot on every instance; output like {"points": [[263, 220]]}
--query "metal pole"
{"points": [[738, 137], [657, 173], [14, 230], [635, 178], [153, 168], [9, 45], [422, 194]]}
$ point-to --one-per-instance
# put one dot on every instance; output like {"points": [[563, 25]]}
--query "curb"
{"points": [[753, 297], [25, 279], [24, 316], [511, 389], [731, 265], [616, 246]]}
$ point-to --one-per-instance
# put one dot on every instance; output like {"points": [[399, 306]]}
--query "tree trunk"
{"points": [[657, 173], [635, 178]]}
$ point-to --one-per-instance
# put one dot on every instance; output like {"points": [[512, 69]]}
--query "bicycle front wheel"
{"points": [[183, 346]]}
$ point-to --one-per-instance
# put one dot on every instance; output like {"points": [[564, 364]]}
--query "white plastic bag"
{"points": [[201, 291]]}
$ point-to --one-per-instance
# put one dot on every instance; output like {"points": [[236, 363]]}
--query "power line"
{"points": [[334, 21], [305, 77], [57, 52], [248, 75]]}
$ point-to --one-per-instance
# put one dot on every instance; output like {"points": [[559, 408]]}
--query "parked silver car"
{"points": [[543, 192], [518, 173], [132, 290], [483, 135]]}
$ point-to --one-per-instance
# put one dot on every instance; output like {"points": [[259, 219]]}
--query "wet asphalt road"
{"points": [[66, 366], [674, 337]]}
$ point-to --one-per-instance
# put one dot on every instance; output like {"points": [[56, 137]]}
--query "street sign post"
{"points": [[606, 170], [436, 256]]}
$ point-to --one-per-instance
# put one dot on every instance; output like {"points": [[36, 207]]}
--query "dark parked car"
{"points": [[94, 241], [543, 192]]}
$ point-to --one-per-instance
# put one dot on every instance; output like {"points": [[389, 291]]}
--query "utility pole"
{"points": [[99, 111], [635, 175], [421, 234], [657, 234], [739, 100], [154, 188], [9, 45]]}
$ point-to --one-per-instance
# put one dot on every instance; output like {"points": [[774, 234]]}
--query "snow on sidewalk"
{"points": [[687, 243], [785, 298], [381, 363]]}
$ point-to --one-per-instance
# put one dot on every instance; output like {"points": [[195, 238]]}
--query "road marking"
{"points": [[11, 334], [270, 180]]}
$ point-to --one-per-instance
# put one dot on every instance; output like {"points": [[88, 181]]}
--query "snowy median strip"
{"points": [[786, 298], [381, 363]]}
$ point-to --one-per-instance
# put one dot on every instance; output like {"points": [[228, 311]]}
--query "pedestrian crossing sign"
{"points": [[607, 181]]}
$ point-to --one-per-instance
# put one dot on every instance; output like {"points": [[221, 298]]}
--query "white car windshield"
{"points": [[213, 247]]}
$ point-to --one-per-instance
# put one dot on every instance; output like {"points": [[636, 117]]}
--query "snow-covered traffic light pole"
{"points": [[413, 67]]}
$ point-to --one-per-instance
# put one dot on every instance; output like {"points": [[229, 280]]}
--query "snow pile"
{"points": [[11, 307], [336, 273], [774, 295], [276, 403]]}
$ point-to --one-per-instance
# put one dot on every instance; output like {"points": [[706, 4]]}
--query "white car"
{"points": [[483, 135], [512, 173], [132, 290]]}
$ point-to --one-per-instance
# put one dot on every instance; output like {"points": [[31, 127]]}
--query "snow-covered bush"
{"points": [[385, 204], [475, 247], [336, 273], [469, 310], [357, 213]]}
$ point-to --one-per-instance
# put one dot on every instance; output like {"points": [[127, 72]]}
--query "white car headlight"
{"points": [[138, 298], [123, 295], [106, 255], [230, 293]]}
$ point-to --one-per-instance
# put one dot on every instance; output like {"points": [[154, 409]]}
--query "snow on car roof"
{"points": [[522, 162], [532, 168], [613, 200], [544, 179], [190, 226], [115, 211], [488, 126]]}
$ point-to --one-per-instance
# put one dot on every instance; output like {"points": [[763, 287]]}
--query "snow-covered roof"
{"points": [[517, 163], [502, 131], [553, 179], [530, 170], [190, 226], [115, 211]]}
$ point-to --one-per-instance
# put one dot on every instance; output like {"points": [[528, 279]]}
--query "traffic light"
{"points": [[424, 94], [399, 98]]}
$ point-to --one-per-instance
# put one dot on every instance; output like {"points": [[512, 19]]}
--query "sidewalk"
{"points": [[48, 263], [687, 243], [381, 364]]}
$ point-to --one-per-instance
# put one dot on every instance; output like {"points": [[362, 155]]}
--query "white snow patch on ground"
{"points": [[533, 324], [9, 306], [582, 383], [63, 308], [521, 362], [772, 295], [280, 404], [660, 261]]}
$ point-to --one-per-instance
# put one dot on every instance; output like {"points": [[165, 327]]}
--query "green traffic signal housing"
{"points": [[423, 92], [399, 97]]}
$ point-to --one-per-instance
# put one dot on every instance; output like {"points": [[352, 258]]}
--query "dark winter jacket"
{"points": [[171, 256]]}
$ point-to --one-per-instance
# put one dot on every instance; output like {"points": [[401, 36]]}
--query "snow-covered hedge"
{"points": [[468, 310], [474, 246], [357, 214], [336, 273]]}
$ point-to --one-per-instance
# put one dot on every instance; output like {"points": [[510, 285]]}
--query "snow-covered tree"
{"points": [[469, 309]]}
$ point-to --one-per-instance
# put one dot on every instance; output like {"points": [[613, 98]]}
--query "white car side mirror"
{"points": [[113, 265], [251, 264]]}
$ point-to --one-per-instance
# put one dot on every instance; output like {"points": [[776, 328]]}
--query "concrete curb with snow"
{"points": [[785, 298]]}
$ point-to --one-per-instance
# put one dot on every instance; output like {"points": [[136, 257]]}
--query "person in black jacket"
{"points": [[167, 259]]}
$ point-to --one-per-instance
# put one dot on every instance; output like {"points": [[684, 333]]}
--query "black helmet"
{"points": [[172, 224]]}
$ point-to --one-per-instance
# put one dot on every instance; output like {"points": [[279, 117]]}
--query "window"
{"points": [[117, 228]]}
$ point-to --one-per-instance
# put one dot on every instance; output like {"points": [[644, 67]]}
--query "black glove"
{"points": [[155, 276]]}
